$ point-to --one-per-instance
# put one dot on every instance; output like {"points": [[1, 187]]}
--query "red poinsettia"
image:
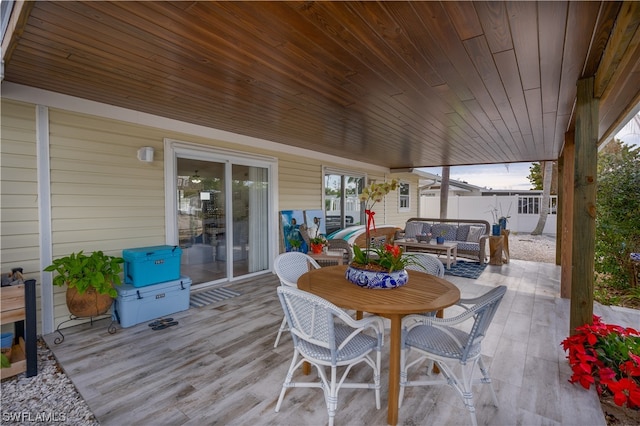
{"points": [[608, 357]]}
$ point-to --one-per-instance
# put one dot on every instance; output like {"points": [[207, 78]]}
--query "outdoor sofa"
{"points": [[470, 234]]}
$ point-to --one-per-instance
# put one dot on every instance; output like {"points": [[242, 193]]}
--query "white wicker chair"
{"points": [[437, 340], [289, 267], [426, 262], [325, 336]]}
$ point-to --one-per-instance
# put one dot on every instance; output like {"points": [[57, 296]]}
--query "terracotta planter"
{"points": [[89, 304], [376, 279], [316, 248]]}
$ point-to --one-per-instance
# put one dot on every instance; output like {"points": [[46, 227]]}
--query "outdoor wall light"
{"points": [[145, 154]]}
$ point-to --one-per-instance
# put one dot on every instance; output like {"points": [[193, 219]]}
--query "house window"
{"points": [[341, 199], [533, 204], [404, 197]]}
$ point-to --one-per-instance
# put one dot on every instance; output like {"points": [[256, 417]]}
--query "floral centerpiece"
{"points": [[370, 195], [607, 356], [377, 267]]}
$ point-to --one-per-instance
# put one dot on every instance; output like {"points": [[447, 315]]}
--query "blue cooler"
{"points": [[135, 305], [151, 265]]}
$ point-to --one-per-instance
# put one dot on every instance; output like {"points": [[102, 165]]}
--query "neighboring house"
{"points": [[72, 180]]}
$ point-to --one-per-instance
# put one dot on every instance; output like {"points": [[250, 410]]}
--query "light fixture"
{"points": [[145, 154], [196, 178]]}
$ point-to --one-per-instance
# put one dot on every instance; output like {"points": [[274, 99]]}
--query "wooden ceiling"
{"points": [[396, 84]]}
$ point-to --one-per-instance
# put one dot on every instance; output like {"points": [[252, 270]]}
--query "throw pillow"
{"points": [[475, 232], [412, 229]]}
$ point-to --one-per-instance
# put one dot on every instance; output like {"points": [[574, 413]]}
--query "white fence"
{"points": [[524, 211]]}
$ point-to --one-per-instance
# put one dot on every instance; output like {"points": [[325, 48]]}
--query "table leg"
{"points": [[306, 368], [394, 369], [439, 314], [448, 257]]}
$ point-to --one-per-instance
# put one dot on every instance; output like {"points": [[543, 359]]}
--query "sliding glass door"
{"points": [[202, 219], [222, 215]]}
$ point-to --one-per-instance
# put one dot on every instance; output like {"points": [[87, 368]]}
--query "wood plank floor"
{"points": [[218, 365]]}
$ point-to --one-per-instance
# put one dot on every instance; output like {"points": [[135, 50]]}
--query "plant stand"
{"points": [[111, 329], [496, 247], [505, 249]]}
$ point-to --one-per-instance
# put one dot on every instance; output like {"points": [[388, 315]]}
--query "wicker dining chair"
{"points": [[326, 337], [425, 262], [440, 341], [289, 267]]}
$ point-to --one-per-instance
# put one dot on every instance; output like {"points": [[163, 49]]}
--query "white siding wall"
{"points": [[19, 233], [103, 198]]}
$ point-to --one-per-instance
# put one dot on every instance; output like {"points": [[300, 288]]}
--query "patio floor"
{"points": [[218, 365]]}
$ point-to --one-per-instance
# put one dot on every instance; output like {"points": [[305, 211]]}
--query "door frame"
{"points": [[174, 148]]}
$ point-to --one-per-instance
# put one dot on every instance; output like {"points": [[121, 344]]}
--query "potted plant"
{"points": [[90, 281], [440, 238], [495, 227], [379, 267], [318, 243], [504, 218]]}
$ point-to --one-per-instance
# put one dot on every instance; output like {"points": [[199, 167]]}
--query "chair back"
{"points": [[339, 244], [291, 265], [310, 318], [483, 312], [425, 262]]}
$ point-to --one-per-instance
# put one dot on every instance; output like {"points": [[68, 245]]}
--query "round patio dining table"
{"points": [[422, 293]]}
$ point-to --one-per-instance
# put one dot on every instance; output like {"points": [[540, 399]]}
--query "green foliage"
{"points": [[535, 176], [295, 243], [614, 349], [617, 220], [4, 361], [98, 270], [389, 257]]}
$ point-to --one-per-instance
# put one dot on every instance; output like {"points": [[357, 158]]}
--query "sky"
{"points": [[514, 176]]}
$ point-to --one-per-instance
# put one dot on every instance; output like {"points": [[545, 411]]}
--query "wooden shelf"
{"points": [[18, 305], [18, 361]]}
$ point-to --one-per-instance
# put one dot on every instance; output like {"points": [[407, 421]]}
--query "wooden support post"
{"points": [[559, 208], [584, 205], [566, 233]]}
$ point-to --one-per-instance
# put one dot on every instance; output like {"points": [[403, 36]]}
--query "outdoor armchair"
{"points": [[425, 262], [326, 337], [440, 341], [289, 267]]}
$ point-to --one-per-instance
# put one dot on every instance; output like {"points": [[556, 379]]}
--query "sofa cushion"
{"points": [[463, 231], [469, 247], [444, 230], [475, 232], [412, 229]]}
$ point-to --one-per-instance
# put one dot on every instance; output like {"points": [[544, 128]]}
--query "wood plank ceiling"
{"points": [[396, 84]]}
